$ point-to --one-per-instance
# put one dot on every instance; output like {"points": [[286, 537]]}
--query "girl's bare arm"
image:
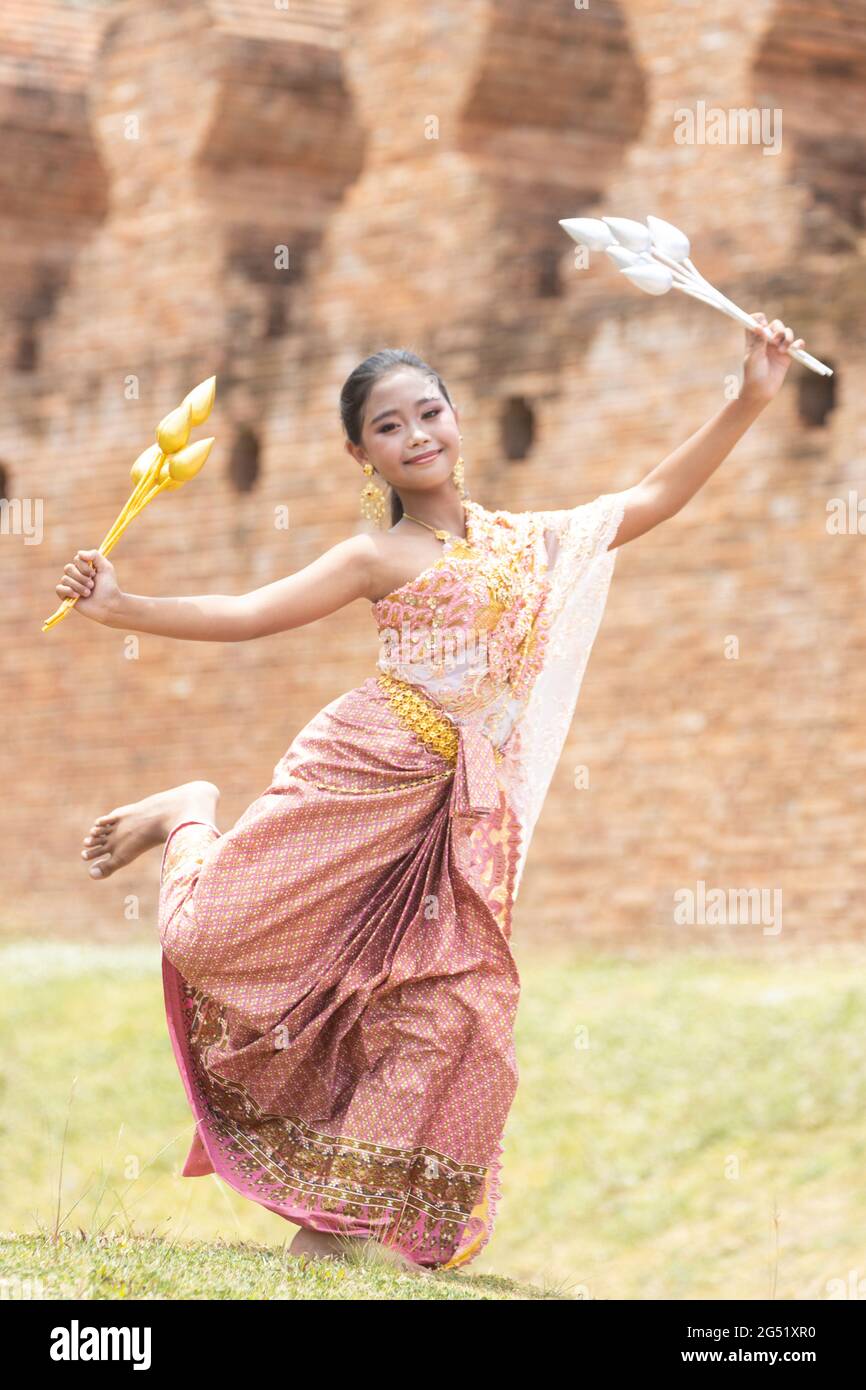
{"points": [[337, 577], [672, 483], [667, 488]]}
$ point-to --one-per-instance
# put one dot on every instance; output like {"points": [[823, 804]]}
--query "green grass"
{"points": [[82, 1265], [703, 1139]]}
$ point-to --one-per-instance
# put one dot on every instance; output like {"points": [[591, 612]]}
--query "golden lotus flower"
{"points": [[200, 400], [162, 467], [184, 465], [172, 432], [166, 481], [145, 462]]}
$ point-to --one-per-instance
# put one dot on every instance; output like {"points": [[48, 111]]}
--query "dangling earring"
{"points": [[457, 476], [372, 499]]}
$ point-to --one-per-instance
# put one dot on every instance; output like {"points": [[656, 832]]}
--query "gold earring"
{"points": [[372, 499], [457, 475]]}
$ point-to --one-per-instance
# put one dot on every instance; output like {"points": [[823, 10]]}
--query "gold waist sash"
{"points": [[473, 755]]}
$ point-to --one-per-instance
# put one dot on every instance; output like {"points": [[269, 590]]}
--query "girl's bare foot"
{"points": [[321, 1245], [126, 832]]}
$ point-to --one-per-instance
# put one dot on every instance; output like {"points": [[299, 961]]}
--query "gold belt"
{"points": [[473, 755]]}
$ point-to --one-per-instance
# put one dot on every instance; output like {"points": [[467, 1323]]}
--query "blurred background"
{"points": [[268, 192]]}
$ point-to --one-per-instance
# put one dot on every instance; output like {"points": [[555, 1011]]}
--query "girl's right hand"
{"points": [[91, 578]]}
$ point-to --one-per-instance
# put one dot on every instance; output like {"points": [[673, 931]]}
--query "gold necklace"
{"points": [[439, 533]]}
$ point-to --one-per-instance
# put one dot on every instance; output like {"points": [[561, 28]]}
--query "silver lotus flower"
{"points": [[655, 256]]}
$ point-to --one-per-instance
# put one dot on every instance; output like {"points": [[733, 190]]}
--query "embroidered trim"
{"points": [[434, 1208]]}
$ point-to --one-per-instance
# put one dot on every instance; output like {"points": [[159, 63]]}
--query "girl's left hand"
{"points": [[765, 363]]}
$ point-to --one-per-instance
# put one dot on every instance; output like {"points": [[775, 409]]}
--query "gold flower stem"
{"points": [[108, 544], [172, 436], [118, 526], [117, 531], [133, 504]]}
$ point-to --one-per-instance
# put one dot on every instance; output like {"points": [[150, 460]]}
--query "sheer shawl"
{"points": [[580, 571]]}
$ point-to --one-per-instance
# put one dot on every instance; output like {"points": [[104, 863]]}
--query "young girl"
{"points": [[339, 985]]}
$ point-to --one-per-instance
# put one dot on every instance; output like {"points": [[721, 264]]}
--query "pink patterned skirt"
{"points": [[339, 986]]}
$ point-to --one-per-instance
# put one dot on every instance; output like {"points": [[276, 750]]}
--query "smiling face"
{"points": [[406, 417]]}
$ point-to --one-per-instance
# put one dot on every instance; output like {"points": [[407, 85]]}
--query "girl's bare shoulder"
{"points": [[396, 558]]}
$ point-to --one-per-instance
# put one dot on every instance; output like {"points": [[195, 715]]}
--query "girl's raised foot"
{"points": [[117, 838]]}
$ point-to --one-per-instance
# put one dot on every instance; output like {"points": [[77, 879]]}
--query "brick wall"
{"points": [[415, 164]]}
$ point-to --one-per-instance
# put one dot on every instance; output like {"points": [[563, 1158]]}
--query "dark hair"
{"points": [[357, 388]]}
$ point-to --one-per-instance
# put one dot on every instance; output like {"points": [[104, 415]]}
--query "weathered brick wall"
{"points": [[415, 164]]}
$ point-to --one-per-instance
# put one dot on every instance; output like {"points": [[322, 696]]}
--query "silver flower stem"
{"points": [[692, 282]]}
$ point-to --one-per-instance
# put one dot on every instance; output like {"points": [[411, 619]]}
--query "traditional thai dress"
{"points": [[339, 983]]}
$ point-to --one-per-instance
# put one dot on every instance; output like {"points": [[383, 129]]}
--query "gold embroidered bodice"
{"points": [[469, 629]]}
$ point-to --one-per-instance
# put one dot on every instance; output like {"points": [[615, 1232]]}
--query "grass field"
{"points": [[686, 1127]]}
